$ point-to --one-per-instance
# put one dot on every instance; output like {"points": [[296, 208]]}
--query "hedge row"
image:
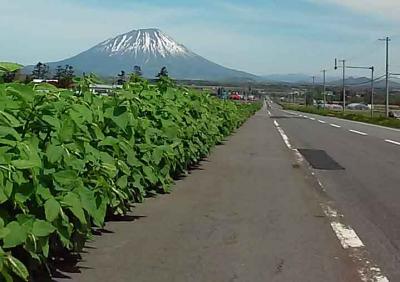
{"points": [[67, 159]]}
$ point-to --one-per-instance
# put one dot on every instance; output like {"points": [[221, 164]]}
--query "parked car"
{"points": [[358, 106], [334, 107], [234, 97], [394, 114]]}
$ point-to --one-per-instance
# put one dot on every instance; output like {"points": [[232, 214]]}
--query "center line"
{"points": [[393, 142], [358, 132], [335, 125], [321, 121]]}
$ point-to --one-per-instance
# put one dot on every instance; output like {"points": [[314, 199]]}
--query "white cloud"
{"points": [[383, 8]]}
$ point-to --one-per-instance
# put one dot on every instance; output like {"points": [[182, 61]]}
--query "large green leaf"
{"points": [[65, 177], [9, 131], [42, 228], [26, 164], [52, 209], [73, 203], [9, 119], [9, 67], [54, 153], [16, 236], [18, 268]]}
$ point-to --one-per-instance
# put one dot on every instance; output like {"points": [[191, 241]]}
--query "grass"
{"points": [[361, 116]]}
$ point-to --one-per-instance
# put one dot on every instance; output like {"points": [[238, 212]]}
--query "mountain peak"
{"points": [[151, 49], [147, 42]]}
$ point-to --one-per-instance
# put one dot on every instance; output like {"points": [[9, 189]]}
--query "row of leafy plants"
{"points": [[378, 120], [70, 158]]}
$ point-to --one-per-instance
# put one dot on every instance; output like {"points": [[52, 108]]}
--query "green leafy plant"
{"points": [[69, 158]]}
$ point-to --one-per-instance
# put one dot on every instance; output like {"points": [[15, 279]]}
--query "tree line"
{"points": [[64, 75]]}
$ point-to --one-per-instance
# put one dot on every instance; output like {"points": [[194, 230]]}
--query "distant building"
{"points": [[51, 81], [104, 88]]}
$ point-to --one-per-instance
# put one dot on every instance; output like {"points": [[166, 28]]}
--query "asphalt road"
{"points": [[367, 190], [249, 213]]}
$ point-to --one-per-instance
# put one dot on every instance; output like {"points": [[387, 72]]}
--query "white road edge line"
{"points": [[321, 121], [335, 125], [269, 113], [358, 132], [392, 142], [287, 142], [346, 235], [350, 241]]}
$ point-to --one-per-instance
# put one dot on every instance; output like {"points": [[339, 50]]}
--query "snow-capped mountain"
{"points": [[151, 49], [151, 42]]}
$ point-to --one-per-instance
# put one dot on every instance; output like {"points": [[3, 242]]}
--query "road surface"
{"points": [[250, 213], [365, 184]]}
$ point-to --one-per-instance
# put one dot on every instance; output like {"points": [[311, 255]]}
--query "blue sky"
{"points": [[262, 37]]}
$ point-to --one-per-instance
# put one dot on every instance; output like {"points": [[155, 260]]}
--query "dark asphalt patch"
{"points": [[319, 159]]}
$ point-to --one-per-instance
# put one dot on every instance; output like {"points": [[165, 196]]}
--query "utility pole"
{"points": [[372, 84], [344, 78], [344, 88], [324, 87], [313, 90], [372, 91], [387, 40]]}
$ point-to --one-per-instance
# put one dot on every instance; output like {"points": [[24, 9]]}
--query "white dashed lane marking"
{"points": [[358, 132], [392, 142], [335, 125], [321, 121]]}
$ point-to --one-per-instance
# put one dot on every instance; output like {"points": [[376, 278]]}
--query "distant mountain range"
{"points": [[330, 81], [151, 49], [289, 78], [364, 82]]}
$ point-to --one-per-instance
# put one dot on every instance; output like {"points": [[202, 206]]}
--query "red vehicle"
{"points": [[234, 96]]}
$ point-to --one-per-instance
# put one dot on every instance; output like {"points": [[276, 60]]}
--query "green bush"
{"points": [[67, 159]]}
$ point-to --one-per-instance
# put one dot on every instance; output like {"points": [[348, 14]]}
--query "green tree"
{"points": [[137, 70], [65, 76], [121, 78], [40, 71], [163, 72]]}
